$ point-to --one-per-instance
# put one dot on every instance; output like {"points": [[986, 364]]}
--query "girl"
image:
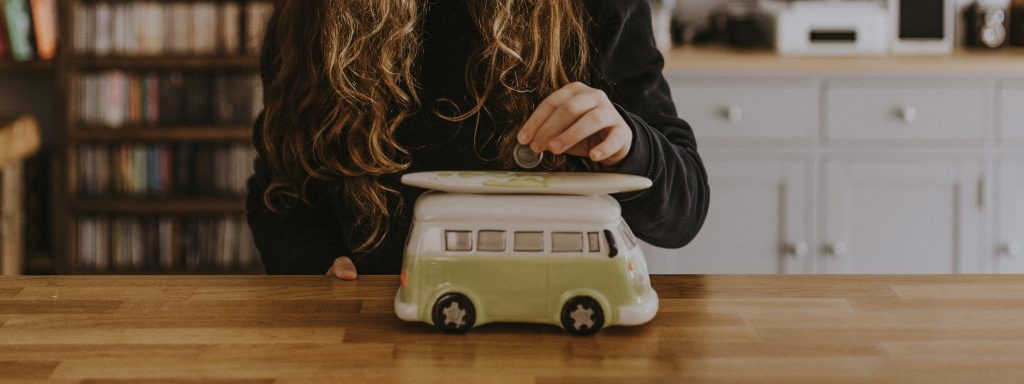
{"points": [[358, 92]]}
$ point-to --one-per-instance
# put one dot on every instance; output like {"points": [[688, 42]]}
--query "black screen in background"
{"points": [[922, 19]]}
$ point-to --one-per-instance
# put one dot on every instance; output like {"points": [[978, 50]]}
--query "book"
{"points": [[204, 29], [102, 41], [257, 16], [44, 18], [19, 29], [81, 37], [230, 33], [181, 40]]}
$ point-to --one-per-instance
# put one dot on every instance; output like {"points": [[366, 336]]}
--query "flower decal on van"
{"points": [[504, 179]]}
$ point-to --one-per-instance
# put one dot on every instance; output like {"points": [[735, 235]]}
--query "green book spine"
{"points": [[19, 29]]}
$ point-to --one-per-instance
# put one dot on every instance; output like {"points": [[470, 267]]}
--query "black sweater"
{"points": [[306, 238]]}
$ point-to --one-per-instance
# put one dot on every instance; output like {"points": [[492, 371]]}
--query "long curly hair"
{"points": [[343, 82]]}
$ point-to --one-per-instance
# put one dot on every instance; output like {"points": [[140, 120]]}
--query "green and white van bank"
{"points": [[546, 248]]}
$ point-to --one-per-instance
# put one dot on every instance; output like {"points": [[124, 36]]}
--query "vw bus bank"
{"points": [[523, 247]]}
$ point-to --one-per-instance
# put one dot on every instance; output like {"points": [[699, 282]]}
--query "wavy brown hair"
{"points": [[340, 81]]}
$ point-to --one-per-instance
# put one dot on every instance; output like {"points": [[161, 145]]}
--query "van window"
{"points": [[490, 241], [613, 250], [567, 242], [529, 242], [594, 241], [627, 234], [458, 241]]}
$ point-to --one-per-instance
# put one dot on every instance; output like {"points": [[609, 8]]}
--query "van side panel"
{"points": [[608, 276], [506, 288]]}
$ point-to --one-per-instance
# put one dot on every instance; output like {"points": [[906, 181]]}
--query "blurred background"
{"points": [[840, 136]]}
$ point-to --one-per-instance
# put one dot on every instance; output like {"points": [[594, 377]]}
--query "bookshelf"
{"points": [[30, 67], [159, 101], [19, 139]]}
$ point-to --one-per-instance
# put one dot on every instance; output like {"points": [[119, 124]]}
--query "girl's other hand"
{"points": [[343, 268], [581, 121]]}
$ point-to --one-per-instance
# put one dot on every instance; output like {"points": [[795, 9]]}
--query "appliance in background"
{"points": [[985, 26], [740, 24], [832, 28], [692, 20], [1017, 23], [922, 26], [735, 23]]}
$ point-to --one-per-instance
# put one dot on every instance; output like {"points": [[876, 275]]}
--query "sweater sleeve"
{"points": [[664, 149], [300, 238]]}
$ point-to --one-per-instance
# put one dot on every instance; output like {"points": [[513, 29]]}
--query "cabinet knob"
{"points": [[798, 249], [1012, 249], [908, 114], [837, 249], [733, 113]]}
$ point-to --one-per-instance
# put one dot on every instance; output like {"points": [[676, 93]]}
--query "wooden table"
{"points": [[729, 61], [780, 329]]}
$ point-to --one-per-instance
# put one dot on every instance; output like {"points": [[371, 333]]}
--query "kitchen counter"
{"points": [[784, 329], [688, 60]]}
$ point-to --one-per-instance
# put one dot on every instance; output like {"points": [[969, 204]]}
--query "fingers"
{"points": [[343, 268], [564, 116], [614, 148], [590, 124], [546, 109], [574, 118]]}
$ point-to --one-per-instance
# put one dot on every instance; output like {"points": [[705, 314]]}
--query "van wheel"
{"points": [[454, 313], [582, 316]]}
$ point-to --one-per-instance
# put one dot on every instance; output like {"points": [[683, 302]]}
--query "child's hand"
{"points": [[581, 121], [343, 268]]}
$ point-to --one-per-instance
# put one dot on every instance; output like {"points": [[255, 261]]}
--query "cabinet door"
{"points": [[1009, 215], [1011, 115], [902, 217], [757, 223]]}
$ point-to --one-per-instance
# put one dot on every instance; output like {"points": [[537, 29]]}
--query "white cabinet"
{"points": [[884, 172], [748, 108], [758, 222], [1011, 111], [1009, 218], [902, 217]]}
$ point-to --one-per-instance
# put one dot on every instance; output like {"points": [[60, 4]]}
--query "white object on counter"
{"points": [[832, 29]]}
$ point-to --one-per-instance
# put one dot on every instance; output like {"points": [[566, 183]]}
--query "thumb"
{"points": [[343, 268]]}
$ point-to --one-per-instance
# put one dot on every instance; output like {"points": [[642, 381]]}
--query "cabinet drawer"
{"points": [[723, 108], [1011, 124], [914, 110]]}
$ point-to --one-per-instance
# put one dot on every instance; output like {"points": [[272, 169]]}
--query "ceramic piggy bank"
{"points": [[546, 248]]}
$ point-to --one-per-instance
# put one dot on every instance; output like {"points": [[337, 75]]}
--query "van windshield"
{"points": [[627, 234], [613, 250]]}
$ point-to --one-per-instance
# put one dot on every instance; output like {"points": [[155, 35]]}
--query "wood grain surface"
{"points": [[763, 329]]}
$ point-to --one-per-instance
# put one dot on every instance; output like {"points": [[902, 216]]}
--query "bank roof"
{"points": [[445, 206], [542, 183]]}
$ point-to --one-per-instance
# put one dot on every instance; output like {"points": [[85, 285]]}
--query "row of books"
{"points": [[165, 244], [164, 170], [28, 30], [115, 99], [151, 28]]}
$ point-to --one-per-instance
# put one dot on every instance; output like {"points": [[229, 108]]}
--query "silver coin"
{"points": [[526, 158]]}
